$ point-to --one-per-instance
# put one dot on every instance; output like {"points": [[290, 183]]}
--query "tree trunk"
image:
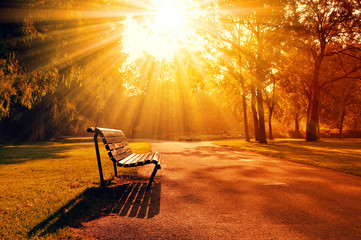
{"points": [[259, 88], [38, 125], [245, 118], [270, 109], [297, 126], [311, 134], [318, 127], [261, 127], [343, 113], [254, 112], [308, 112]]}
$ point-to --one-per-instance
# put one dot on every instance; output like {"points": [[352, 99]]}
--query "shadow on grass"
{"points": [[21, 154], [126, 200], [13, 154], [340, 155]]}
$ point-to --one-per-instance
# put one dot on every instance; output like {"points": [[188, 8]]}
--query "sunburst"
{"points": [[164, 29]]}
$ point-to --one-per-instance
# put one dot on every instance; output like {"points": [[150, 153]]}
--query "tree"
{"points": [[258, 22], [330, 30], [264, 23], [294, 82], [232, 53], [271, 100], [342, 98]]}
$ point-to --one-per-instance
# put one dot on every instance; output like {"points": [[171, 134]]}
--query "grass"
{"points": [[341, 155], [42, 179]]}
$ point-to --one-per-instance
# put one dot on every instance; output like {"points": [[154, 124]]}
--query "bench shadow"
{"points": [[126, 200], [137, 202]]}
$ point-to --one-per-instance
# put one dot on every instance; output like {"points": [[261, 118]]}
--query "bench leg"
{"points": [[102, 183], [115, 169], [152, 176]]}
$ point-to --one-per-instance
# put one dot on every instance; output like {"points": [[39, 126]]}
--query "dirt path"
{"points": [[209, 192]]}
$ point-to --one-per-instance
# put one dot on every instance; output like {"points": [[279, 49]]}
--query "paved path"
{"points": [[209, 192]]}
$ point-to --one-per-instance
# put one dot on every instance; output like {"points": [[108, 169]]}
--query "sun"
{"points": [[161, 31], [169, 16]]}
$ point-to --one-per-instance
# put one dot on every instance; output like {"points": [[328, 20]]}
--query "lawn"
{"points": [[41, 181], [341, 155]]}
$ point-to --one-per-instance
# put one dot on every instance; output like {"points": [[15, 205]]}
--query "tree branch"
{"points": [[345, 76]]}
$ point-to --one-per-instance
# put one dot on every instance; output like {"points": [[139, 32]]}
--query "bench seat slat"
{"points": [[120, 157], [149, 158], [120, 151], [112, 134], [108, 140], [117, 145], [156, 158], [138, 161], [141, 160], [144, 159], [95, 129], [134, 161], [123, 161]]}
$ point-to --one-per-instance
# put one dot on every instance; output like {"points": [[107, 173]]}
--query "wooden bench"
{"points": [[121, 154]]}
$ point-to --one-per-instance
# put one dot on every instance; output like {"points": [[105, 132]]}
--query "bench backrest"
{"points": [[115, 142]]}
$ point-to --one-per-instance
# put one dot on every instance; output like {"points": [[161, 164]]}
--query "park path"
{"points": [[206, 191]]}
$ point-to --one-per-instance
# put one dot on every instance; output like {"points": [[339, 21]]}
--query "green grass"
{"points": [[42, 180], [341, 155]]}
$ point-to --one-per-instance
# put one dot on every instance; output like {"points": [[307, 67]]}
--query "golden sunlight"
{"points": [[160, 32], [169, 17]]}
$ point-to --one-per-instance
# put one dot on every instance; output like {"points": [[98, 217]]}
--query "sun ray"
{"points": [[165, 28], [151, 53]]}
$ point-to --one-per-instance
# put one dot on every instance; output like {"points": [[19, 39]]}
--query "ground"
{"points": [[204, 191]]}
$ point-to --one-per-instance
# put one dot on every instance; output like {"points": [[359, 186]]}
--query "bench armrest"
{"points": [[91, 129]]}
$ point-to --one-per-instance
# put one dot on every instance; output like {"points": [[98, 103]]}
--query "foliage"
{"points": [[19, 88]]}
